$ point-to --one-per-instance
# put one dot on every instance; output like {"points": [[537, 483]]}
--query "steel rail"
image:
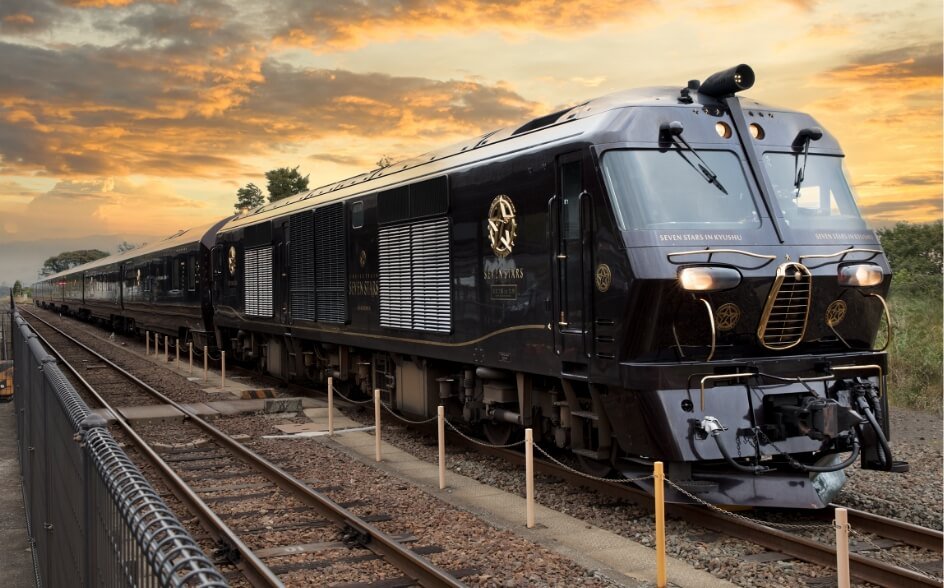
{"points": [[869, 570], [252, 567], [413, 565]]}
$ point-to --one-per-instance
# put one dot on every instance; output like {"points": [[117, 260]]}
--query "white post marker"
{"points": [[377, 424], [330, 406], [166, 348], [206, 361], [157, 344], [659, 479], [177, 349], [529, 474], [222, 370], [842, 548], [190, 350], [147, 342], [441, 426]]}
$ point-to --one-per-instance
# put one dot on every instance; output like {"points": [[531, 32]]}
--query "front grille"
{"points": [[783, 323]]}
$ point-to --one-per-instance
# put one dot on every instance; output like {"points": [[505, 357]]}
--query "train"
{"points": [[676, 274]]}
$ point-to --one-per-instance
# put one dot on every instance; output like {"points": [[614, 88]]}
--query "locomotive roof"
{"points": [[565, 123], [189, 236]]}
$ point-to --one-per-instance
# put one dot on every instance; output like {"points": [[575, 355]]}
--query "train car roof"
{"points": [[566, 123], [201, 234]]}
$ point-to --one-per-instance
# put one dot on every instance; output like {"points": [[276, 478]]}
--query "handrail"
{"points": [[711, 252], [842, 252]]}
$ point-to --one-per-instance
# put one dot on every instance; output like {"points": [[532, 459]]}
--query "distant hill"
{"points": [[22, 260]]}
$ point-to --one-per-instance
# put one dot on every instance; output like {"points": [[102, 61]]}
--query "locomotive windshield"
{"points": [[662, 190], [824, 198]]}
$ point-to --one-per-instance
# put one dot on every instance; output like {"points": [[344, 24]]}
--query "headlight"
{"points": [[860, 274], [708, 278]]}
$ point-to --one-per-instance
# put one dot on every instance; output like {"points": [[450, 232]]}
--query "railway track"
{"points": [[223, 471], [790, 545]]}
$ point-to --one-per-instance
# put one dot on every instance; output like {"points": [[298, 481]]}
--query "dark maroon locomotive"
{"points": [[660, 274]]}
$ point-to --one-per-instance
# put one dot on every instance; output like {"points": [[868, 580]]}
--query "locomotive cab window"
{"points": [[821, 198], [667, 190]]}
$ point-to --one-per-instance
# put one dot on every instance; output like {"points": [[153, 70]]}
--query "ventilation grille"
{"points": [[330, 264], [258, 283], [783, 322], [422, 199], [302, 256], [415, 276]]}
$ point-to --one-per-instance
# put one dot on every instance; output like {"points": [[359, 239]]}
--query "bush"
{"points": [[915, 353]]}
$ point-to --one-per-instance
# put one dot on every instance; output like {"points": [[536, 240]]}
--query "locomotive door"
{"points": [[572, 310]]}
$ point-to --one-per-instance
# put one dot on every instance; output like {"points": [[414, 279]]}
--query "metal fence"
{"points": [[94, 519], [6, 337]]}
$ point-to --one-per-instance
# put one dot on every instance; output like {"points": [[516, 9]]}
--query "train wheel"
{"points": [[499, 433]]}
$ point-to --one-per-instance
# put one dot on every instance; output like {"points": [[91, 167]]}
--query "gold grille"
{"points": [[783, 323]]}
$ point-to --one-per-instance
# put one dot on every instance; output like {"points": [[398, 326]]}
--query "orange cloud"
{"points": [[19, 18]]}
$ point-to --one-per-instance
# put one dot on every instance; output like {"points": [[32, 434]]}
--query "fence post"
{"points": [[842, 547], [330, 406], [177, 349], [441, 430], [190, 350], [147, 342], [660, 524], [157, 345], [222, 370], [206, 361], [377, 424], [166, 349], [529, 474]]}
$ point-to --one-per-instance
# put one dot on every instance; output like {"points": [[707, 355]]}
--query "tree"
{"points": [[17, 289], [125, 246], [284, 182], [914, 248], [384, 161], [70, 259], [250, 196]]}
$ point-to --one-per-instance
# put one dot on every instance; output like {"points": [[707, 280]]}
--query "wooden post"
{"points": [[147, 342], [157, 344], [377, 424], [222, 370], [441, 422], [842, 548], [166, 350], [529, 474], [206, 361], [660, 524], [330, 406], [177, 349], [190, 351]]}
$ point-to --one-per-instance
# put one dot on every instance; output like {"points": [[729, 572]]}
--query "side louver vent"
{"points": [[258, 282], [330, 264], [302, 257], [415, 276], [783, 323]]}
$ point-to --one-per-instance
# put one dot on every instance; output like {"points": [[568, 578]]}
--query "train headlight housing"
{"points": [[861, 275], [708, 278]]}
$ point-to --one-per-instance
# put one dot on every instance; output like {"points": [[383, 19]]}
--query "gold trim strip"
{"points": [[713, 251], [842, 252], [420, 341], [714, 336], [888, 320]]}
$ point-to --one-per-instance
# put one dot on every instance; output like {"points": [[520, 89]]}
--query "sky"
{"points": [[132, 119]]}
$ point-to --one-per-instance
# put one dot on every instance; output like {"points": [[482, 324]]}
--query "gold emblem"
{"points": [[137, 278], [362, 258], [231, 260], [835, 312], [502, 226], [603, 277], [727, 316]]}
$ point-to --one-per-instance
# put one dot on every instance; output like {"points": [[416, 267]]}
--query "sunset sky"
{"points": [[137, 118]]}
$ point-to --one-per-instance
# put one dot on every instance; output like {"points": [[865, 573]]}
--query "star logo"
{"points": [[231, 260], [835, 312], [603, 277], [502, 225], [727, 316]]}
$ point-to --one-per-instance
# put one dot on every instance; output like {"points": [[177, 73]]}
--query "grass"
{"points": [[915, 355]]}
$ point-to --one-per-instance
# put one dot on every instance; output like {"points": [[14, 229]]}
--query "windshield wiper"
{"points": [[672, 133], [803, 140]]}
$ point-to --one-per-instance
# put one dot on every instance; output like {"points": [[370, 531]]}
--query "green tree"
{"points": [[17, 289], [249, 197], [284, 182], [70, 259], [125, 246], [914, 248]]}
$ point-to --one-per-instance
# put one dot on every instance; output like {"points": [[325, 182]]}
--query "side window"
{"points": [[571, 187], [357, 215]]}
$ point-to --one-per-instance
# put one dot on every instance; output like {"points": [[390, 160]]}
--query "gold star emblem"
{"points": [[603, 277], [231, 260], [502, 225], [835, 312], [727, 316]]}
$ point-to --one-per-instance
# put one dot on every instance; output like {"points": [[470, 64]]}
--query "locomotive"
{"points": [[674, 274]]}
